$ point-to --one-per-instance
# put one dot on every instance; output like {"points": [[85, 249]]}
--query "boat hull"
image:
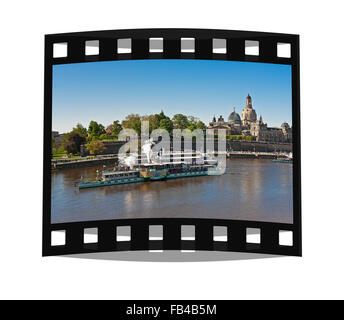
{"points": [[283, 160], [187, 175], [95, 184], [100, 183]]}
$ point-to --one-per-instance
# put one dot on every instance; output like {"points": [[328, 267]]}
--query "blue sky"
{"points": [[108, 91]]}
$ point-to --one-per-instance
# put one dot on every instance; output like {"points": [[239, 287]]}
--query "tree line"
{"points": [[96, 133]]}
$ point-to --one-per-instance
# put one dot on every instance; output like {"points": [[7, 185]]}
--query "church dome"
{"points": [[234, 117]]}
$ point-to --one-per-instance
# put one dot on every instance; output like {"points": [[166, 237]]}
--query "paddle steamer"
{"points": [[181, 167]]}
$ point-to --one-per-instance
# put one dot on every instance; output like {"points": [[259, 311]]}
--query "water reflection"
{"points": [[250, 190]]}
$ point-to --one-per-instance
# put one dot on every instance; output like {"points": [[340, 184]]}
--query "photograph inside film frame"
{"points": [[172, 139]]}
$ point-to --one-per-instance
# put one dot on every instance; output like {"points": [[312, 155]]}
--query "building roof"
{"points": [[234, 117]]}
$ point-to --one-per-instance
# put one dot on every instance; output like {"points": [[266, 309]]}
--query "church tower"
{"points": [[248, 101], [248, 114]]}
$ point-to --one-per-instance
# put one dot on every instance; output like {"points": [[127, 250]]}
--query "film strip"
{"points": [[202, 234]]}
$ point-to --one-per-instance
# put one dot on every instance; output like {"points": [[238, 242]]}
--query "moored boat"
{"points": [[287, 159], [283, 160]]}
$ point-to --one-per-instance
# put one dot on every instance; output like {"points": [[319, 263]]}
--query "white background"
{"points": [[25, 274]]}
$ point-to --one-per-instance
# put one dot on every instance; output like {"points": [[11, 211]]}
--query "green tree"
{"points": [[201, 125], [80, 129], [95, 147], [53, 146], [166, 124], [137, 127], [180, 121], [192, 120], [192, 126], [61, 150], [103, 136], [73, 142], [95, 129], [132, 121], [153, 120], [160, 116], [116, 129], [156, 121]]}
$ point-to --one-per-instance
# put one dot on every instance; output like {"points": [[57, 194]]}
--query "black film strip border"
{"points": [[236, 238], [235, 51]]}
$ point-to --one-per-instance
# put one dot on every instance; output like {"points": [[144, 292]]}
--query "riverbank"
{"points": [[112, 159], [82, 163], [255, 155], [113, 147]]}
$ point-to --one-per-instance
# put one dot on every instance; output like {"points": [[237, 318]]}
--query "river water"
{"points": [[251, 189]]}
